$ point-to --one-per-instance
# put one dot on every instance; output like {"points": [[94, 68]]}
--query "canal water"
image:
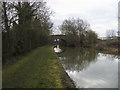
{"points": [[89, 68]]}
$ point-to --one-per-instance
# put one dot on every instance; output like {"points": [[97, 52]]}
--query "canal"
{"points": [[89, 68]]}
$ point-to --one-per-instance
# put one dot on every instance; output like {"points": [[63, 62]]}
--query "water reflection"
{"points": [[89, 68], [78, 58], [57, 49]]}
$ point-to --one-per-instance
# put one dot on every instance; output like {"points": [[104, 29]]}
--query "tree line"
{"points": [[25, 26], [78, 32]]}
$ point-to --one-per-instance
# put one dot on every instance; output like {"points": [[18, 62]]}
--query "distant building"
{"points": [[109, 38], [103, 38]]}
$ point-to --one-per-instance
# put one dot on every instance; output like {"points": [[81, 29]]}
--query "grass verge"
{"points": [[39, 69]]}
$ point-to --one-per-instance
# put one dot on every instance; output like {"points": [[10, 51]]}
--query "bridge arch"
{"points": [[58, 39]]}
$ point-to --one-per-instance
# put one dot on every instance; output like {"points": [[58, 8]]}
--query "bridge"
{"points": [[57, 38]]}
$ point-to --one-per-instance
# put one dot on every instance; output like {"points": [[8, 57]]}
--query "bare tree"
{"points": [[26, 25], [75, 29], [110, 33]]}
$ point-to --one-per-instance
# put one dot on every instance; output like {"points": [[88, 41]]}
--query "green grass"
{"points": [[39, 69]]}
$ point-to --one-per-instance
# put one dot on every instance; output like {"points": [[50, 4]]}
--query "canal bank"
{"points": [[108, 46], [39, 69]]}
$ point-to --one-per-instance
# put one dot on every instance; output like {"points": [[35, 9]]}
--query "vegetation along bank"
{"points": [[108, 46]]}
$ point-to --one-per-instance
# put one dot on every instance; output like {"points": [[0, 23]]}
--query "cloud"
{"points": [[101, 14], [98, 74]]}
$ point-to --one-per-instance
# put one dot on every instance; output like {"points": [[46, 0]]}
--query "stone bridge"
{"points": [[56, 38]]}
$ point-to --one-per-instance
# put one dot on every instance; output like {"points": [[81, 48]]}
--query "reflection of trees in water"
{"points": [[110, 57], [78, 58]]}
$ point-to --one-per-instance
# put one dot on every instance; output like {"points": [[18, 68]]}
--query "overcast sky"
{"points": [[100, 14]]}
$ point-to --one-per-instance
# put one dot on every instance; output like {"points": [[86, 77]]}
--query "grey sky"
{"points": [[100, 14]]}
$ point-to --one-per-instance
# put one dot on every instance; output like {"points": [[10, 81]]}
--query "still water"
{"points": [[89, 68]]}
